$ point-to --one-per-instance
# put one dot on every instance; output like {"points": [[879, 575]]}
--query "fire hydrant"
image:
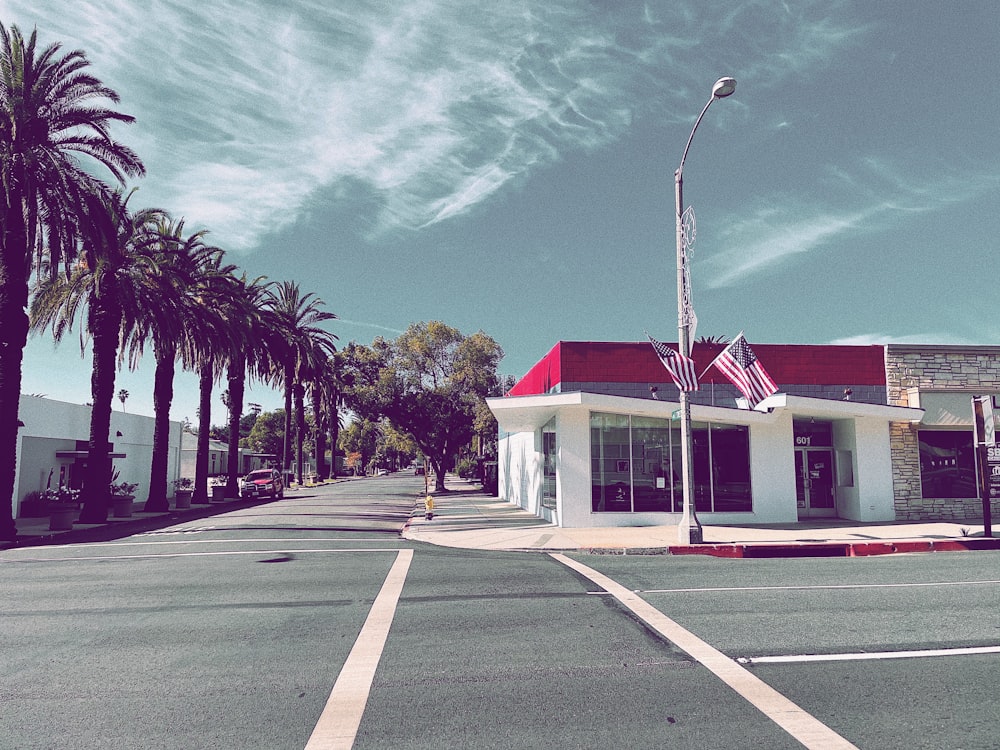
{"points": [[428, 507]]}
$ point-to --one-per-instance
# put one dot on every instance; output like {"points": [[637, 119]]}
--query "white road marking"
{"points": [[192, 554], [801, 725], [338, 724], [250, 540], [820, 587], [872, 655]]}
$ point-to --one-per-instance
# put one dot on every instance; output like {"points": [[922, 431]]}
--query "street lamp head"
{"points": [[723, 88]]}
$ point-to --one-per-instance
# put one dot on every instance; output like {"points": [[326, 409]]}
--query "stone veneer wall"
{"points": [[967, 369]]}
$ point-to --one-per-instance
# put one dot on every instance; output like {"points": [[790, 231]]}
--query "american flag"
{"points": [[682, 369], [740, 365]]}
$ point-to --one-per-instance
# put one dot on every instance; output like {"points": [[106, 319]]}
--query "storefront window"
{"points": [[636, 465], [549, 464], [652, 482], [731, 469], [611, 476], [947, 464]]}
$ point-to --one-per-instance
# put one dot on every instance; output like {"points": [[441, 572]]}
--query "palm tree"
{"points": [[117, 282], [207, 355], [178, 322], [50, 113], [297, 316], [251, 318]]}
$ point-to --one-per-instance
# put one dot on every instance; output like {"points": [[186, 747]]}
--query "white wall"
{"points": [[845, 443], [573, 468], [51, 426], [873, 477], [519, 469]]}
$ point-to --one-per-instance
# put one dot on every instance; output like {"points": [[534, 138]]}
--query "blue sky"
{"points": [[508, 166]]}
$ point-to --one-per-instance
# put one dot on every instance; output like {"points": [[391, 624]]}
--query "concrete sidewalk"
{"points": [[466, 518]]}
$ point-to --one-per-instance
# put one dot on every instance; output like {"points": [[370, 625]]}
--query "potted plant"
{"points": [[33, 505], [183, 489], [122, 497], [63, 506], [217, 485]]}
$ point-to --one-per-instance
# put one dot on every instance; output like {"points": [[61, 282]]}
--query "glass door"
{"points": [[814, 488]]}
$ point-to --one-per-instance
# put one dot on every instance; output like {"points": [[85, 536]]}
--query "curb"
{"points": [[836, 549]]}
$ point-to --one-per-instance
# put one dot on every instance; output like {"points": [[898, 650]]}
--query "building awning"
{"points": [[945, 408], [529, 413], [825, 408], [84, 454]]}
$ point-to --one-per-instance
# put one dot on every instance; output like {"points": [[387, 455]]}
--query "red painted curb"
{"points": [[835, 549]]}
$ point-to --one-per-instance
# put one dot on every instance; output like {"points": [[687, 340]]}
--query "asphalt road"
{"points": [[270, 627]]}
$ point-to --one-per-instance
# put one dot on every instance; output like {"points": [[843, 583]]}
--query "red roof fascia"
{"points": [[545, 374], [636, 362]]}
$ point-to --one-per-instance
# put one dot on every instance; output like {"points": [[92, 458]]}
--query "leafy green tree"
{"points": [[247, 421], [267, 434], [361, 437], [397, 448], [52, 111], [428, 383]]}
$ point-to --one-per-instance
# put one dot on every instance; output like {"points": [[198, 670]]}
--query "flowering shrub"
{"points": [[184, 483], [123, 489], [62, 495]]}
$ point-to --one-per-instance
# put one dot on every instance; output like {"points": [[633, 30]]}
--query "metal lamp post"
{"points": [[689, 530]]}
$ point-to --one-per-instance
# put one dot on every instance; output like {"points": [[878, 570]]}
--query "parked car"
{"points": [[262, 483]]}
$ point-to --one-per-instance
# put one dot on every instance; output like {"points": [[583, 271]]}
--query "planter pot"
{"points": [[182, 499], [122, 506], [62, 518]]}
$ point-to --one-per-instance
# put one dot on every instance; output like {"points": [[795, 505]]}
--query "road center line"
{"points": [[870, 655], [338, 724], [801, 725]]}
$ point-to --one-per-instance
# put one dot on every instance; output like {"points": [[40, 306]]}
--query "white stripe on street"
{"points": [[801, 725], [870, 655], [161, 555], [142, 541], [338, 724], [819, 587]]}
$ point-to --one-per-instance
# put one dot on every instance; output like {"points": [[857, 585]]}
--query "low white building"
{"points": [[52, 447], [590, 436]]}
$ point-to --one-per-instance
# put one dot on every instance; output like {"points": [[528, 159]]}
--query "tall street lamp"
{"points": [[689, 531]]}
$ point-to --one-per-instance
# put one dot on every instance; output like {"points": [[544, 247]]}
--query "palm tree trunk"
{"points": [[163, 395], [319, 434], [237, 380], [13, 338], [334, 436], [286, 449], [105, 320], [205, 378], [300, 429]]}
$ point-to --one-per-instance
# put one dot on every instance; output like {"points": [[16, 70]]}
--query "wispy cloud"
{"points": [[376, 326], [246, 110], [786, 226], [865, 339]]}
